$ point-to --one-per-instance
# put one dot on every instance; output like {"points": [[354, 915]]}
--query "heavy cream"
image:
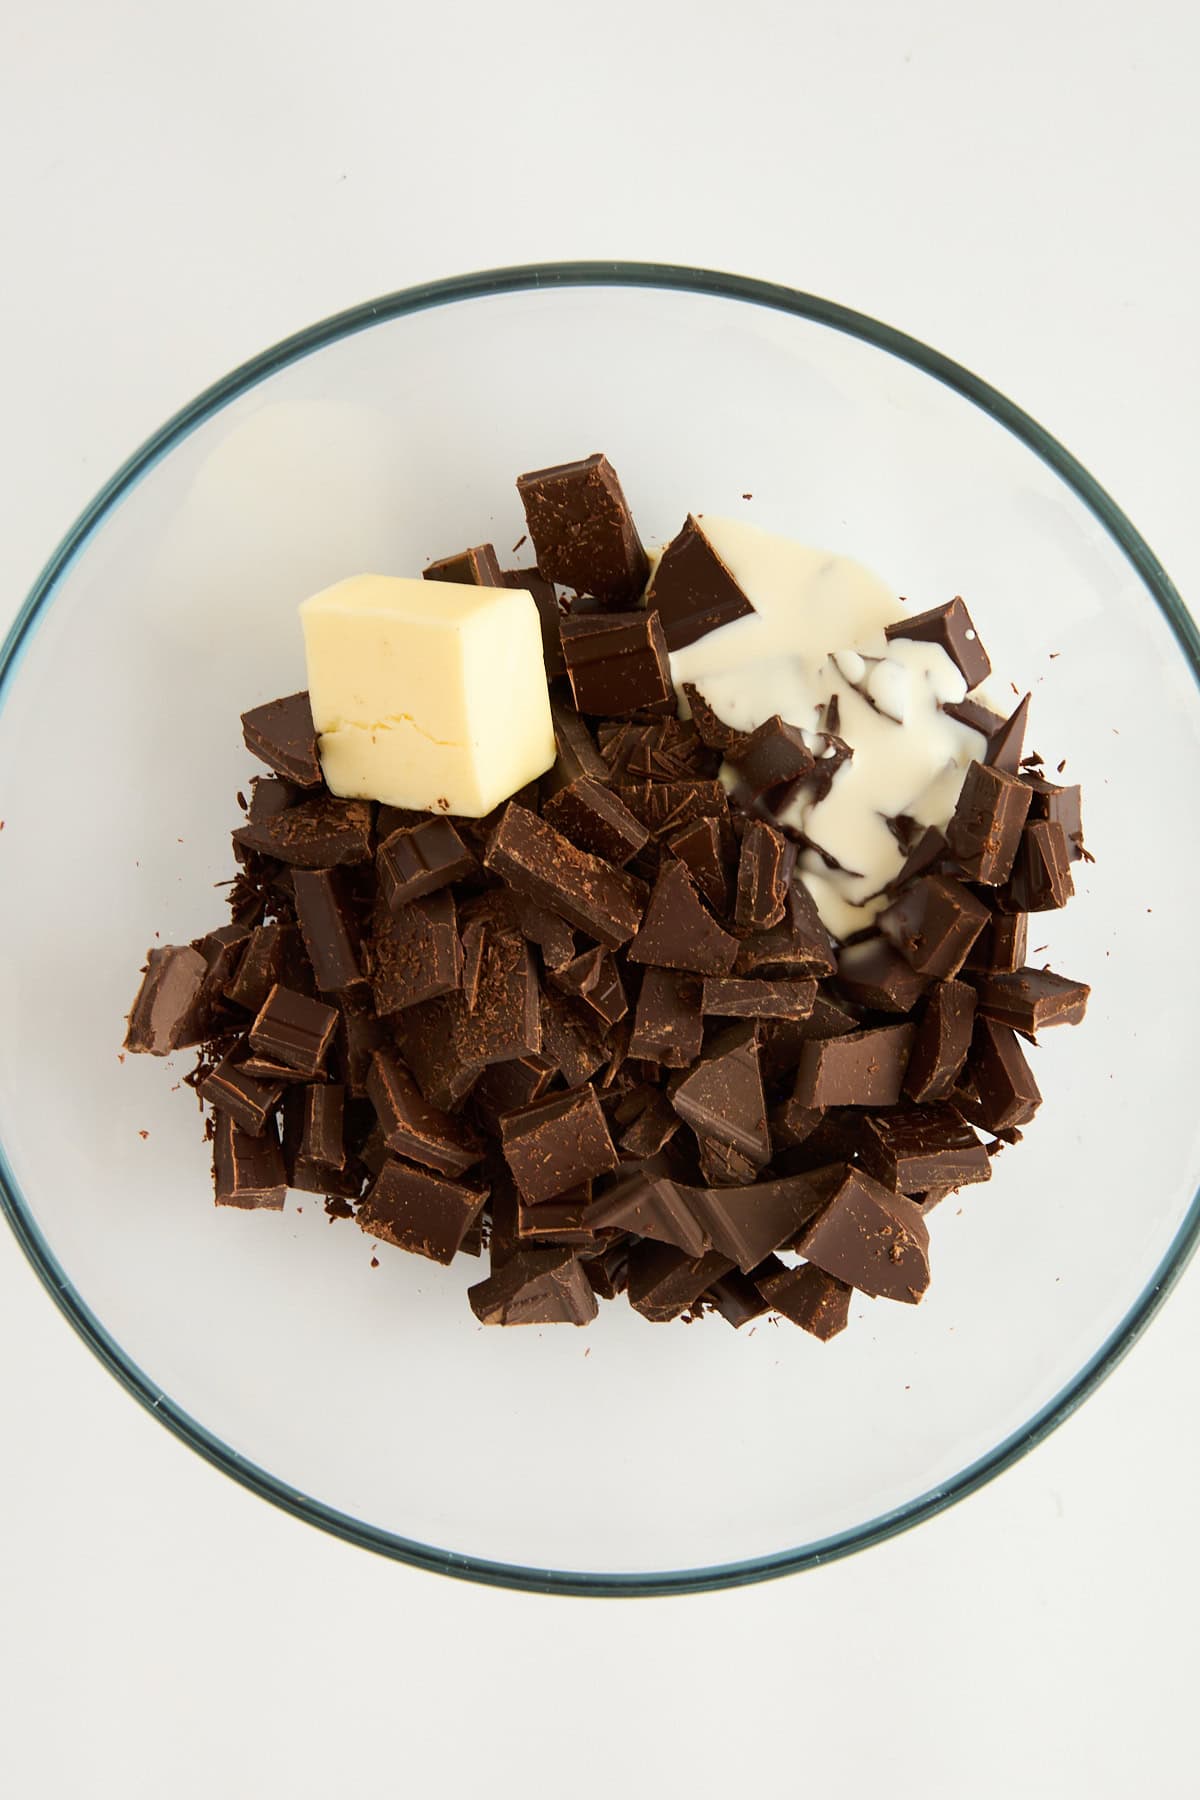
{"points": [[817, 631]]}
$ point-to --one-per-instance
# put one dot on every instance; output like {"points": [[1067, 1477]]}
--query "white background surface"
{"points": [[180, 186]]}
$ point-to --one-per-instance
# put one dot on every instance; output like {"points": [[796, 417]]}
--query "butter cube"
{"points": [[427, 694]]}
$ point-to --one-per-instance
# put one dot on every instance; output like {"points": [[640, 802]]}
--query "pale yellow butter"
{"points": [[427, 694]]}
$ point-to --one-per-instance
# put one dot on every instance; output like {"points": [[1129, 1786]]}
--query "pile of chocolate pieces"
{"points": [[601, 1038]]}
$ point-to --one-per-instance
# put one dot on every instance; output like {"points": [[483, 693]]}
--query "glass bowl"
{"points": [[364, 1398]]}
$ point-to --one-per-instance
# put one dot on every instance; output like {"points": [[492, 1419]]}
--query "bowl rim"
{"points": [[486, 284]]}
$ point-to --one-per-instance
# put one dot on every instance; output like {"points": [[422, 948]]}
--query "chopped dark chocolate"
{"points": [[506, 1086], [817, 1302], [414, 1129], [722, 1097], [933, 923], [1008, 740], [926, 849], [578, 757], [1041, 878], [1030, 1000], [595, 980], [985, 832], [419, 860], [1002, 945], [693, 589], [293, 1030], [474, 943], [540, 862], [677, 931], [583, 531], [871, 1239], [736, 1298], [976, 715], [863, 1068], [772, 755], [764, 877], [618, 663], [799, 946], [477, 567], [941, 1043], [921, 1147], [877, 976], [733, 997], [701, 849], [359, 1034], [646, 1200], [317, 834], [550, 615], [950, 626], [329, 928], [747, 1223], [664, 1281], [282, 735], [1062, 806], [536, 1287], [505, 1021], [249, 1103], [998, 1091], [569, 1043], [165, 1014], [597, 820], [713, 731], [420, 1211], [652, 1129], [723, 1166], [791, 1123], [322, 1142], [414, 955], [665, 807], [668, 1027], [556, 1143], [248, 1171], [264, 961]]}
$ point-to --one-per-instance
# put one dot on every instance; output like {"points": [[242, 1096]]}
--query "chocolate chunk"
{"points": [[249, 1103], [583, 531], [596, 819], [664, 807], [596, 980], [773, 754], [668, 1028], [507, 1086], [731, 997], [536, 1287], [270, 953], [693, 589], [1008, 740], [282, 735], [556, 1143], [414, 955], [505, 1021], [618, 663], [998, 1091], [875, 975], [791, 1123], [799, 946], [985, 832], [764, 877], [474, 943], [646, 1200], [670, 749], [165, 1013], [248, 1171], [942, 1040], [293, 1030], [664, 1281], [863, 1068], [722, 1097], [817, 1302], [608, 1272], [723, 1166], [700, 848], [652, 1129], [419, 1211], [933, 924], [578, 758], [318, 834], [713, 731], [1041, 876], [746, 1223], [1032, 999], [977, 716], [871, 1239], [552, 935], [922, 1147], [736, 1298], [414, 1129], [950, 626], [559, 1222], [359, 1034], [539, 862], [926, 849], [269, 1070], [1061, 806], [329, 928], [269, 796], [1002, 945], [678, 933], [477, 567], [550, 615], [569, 1045], [322, 1142], [419, 860]]}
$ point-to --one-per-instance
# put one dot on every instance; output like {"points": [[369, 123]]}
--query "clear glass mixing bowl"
{"points": [[626, 1458]]}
